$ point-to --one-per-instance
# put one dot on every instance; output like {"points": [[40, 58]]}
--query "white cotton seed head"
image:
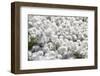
{"points": [[62, 50], [29, 53], [60, 36], [40, 53]]}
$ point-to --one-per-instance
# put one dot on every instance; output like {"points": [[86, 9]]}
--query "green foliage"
{"points": [[31, 43], [78, 55]]}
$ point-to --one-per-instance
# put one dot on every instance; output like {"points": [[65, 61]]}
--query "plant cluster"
{"points": [[57, 37]]}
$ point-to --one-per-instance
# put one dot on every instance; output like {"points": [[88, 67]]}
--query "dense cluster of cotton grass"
{"points": [[57, 37]]}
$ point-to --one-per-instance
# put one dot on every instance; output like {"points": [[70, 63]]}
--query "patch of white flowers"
{"points": [[57, 37]]}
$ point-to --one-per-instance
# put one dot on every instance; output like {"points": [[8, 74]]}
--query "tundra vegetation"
{"points": [[57, 37]]}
